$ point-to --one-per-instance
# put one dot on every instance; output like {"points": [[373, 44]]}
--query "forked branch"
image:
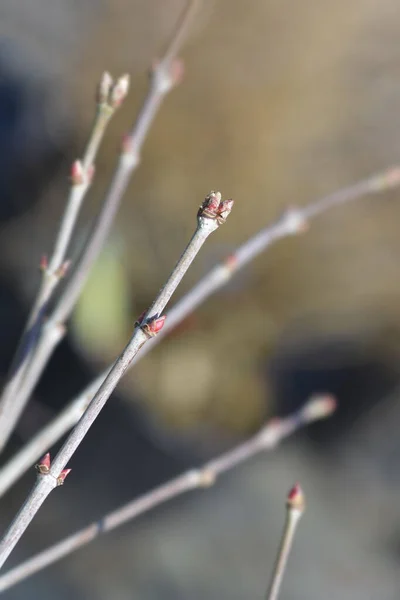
{"points": [[211, 214], [266, 439]]}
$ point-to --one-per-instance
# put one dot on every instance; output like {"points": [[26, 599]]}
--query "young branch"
{"points": [[54, 269], [165, 74], [212, 213], [295, 506], [292, 221], [266, 439]]}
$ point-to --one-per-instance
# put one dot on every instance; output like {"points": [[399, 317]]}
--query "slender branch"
{"points": [[165, 75], [294, 510], [212, 213], [266, 439], [219, 276], [11, 404]]}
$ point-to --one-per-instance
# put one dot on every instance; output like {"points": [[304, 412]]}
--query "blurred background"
{"points": [[281, 104]]}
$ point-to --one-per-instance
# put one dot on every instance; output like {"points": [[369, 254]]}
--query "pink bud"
{"points": [[224, 211], [62, 476], [119, 91], [44, 263], [230, 262], [210, 206], [43, 466], [154, 325], [295, 498], [77, 173]]}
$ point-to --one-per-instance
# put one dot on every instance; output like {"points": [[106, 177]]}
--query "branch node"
{"points": [[294, 221]]}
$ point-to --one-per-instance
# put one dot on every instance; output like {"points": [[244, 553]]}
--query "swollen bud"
{"points": [[62, 476], [43, 466], [295, 498], [153, 325], [119, 91]]}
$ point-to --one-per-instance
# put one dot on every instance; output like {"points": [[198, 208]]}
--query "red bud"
{"points": [[43, 466], [153, 326], [62, 476], [295, 498]]}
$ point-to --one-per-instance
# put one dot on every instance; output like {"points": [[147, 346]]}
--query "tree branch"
{"points": [[212, 213], [165, 75], [53, 270], [292, 221], [295, 505], [266, 439]]}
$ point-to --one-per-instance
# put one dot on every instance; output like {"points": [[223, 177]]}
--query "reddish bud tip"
{"points": [[77, 173], [119, 91], [153, 325], [43, 466], [44, 263], [62, 476], [295, 498], [214, 208], [231, 262], [319, 407], [104, 88], [224, 211]]}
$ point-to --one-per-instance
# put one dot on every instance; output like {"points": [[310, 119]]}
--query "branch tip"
{"points": [[319, 407], [119, 91], [213, 207], [295, 498]]}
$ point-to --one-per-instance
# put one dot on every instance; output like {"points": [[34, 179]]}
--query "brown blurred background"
{"points": [[282, 103]]}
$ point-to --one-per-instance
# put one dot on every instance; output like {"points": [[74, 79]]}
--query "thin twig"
{"points": [[165, 75], [219, 276], [212, 213], [295, 505], [266, 439], [11, 403]]}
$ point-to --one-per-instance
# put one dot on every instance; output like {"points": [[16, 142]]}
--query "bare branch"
{"points": [[165, 75], [295, 506], [11, 403], [211, 214], [292, 221], [266, 439]]}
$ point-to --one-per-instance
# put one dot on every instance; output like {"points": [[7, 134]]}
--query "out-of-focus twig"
{"points": [[266, 439], [294, 509], [212, 213], [54, 269], [294, 220], [165, 74]]}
